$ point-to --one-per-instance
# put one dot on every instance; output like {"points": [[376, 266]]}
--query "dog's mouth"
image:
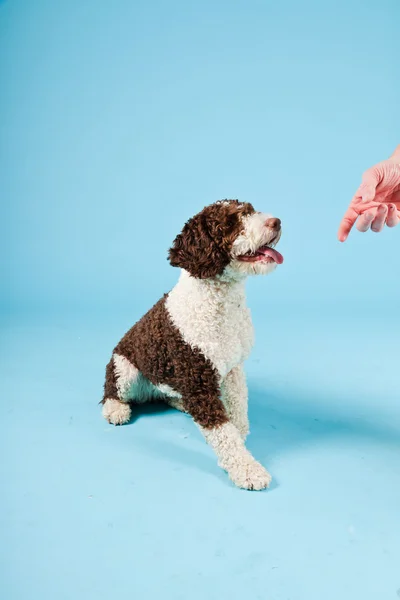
{"points": [[264, 254]]}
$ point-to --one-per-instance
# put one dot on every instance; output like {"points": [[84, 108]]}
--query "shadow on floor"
{"points": [[281, 422]]}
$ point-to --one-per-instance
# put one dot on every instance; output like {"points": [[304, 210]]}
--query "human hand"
{"points": [[377, 200]]}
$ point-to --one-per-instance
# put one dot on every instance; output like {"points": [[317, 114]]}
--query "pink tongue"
{"points": [[274, 254]]}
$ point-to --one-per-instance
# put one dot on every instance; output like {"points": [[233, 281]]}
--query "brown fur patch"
{"points": [[155, 347], [110, 384], [204, 246]]}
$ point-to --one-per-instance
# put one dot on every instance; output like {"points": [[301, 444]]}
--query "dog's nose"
{"points": [[273, 223]]}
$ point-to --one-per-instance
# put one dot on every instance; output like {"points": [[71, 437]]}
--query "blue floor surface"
{"points": [[90, 511]]}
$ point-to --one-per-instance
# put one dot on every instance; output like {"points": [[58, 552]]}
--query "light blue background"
{"points": [[119, 120]]}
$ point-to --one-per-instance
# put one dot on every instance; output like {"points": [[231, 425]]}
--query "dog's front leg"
{"points": [[235, 398], [208, 411], [233, 457]]}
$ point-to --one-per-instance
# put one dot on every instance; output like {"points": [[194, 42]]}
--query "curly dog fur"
{"points": [[189, 349]]}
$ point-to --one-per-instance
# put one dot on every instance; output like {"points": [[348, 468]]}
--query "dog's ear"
{"points": [[204, 246], [197, 250]]}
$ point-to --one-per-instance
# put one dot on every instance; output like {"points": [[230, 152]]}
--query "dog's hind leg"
{"points": [[121, 377]]}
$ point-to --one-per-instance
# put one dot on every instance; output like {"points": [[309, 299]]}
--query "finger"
{"points": [[350, 217], [365, 221], [392, 218], [379, 222], [395, 199]]}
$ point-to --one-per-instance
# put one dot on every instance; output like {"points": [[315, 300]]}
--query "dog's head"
{"points": [[228, 238]]}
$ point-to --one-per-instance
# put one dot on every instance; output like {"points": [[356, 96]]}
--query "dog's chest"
{"points": [[214, 320]]}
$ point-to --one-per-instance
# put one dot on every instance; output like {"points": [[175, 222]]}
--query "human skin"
{"points": [[376, 203]]}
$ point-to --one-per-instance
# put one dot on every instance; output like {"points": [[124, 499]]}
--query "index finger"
{"points": [[350, 217]]}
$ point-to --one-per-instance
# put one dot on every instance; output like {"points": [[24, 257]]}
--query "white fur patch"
{"points": [[212, 316], [126, 375], [255, 234], [233, 457], [115, 412]]}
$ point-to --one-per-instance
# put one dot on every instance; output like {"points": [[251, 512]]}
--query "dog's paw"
{"points": [[250, 476], [116, 413]]}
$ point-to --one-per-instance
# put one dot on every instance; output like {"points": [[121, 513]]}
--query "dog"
{"points": [[189, 349]]}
